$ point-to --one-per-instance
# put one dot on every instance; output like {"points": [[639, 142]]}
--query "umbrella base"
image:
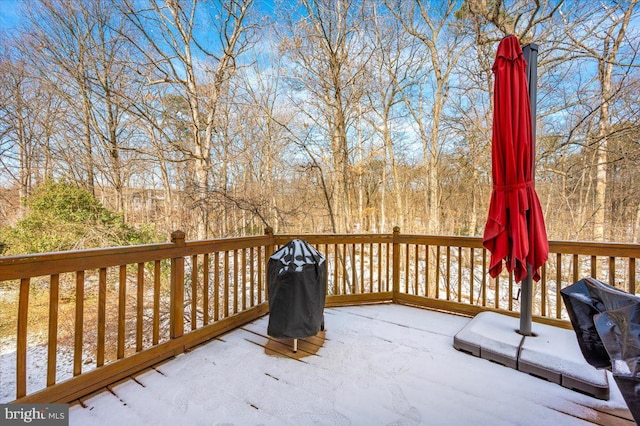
{"points": [[553, 354]]}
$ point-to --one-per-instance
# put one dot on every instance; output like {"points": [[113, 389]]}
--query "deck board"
{"points": [[378, 364]]}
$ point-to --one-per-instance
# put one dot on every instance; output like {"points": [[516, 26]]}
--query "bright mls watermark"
{"points": [[34, 414]]}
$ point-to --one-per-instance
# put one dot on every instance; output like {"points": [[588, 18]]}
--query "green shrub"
{"points": [[63, 216]]}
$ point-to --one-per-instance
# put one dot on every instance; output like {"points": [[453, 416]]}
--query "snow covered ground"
{"points": [[377, 364], [36, 368]]}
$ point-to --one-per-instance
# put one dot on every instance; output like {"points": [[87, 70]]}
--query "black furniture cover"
{"points": [[584, 299], [297, 285], [607, 324]]}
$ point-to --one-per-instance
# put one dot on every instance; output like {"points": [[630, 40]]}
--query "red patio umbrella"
{"points": [[515, 232]]}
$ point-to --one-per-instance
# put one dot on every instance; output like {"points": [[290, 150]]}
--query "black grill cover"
{"points": [[619, 331], [607, 324], [584, 299], [297, 285]]}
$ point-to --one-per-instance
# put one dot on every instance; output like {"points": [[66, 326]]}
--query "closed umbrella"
{"points": [[515, 233]]}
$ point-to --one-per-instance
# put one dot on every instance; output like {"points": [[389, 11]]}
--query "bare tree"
{"points": [[432, 25], [18, 144], [60, 45], [519, 17], [329, 53], [265, 118], [393, 71], [601, 40], [28, 116], [174, 38]]}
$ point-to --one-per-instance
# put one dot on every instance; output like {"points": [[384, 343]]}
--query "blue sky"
{"points": [[8, 14]]}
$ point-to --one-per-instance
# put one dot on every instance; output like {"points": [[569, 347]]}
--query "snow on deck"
{"points": [[376, 364]]}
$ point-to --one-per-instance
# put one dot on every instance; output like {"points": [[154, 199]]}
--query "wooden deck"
{"points": [[375, 364]]}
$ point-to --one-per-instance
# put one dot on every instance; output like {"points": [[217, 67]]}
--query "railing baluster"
{"points": [[225, 290], [260, 274], [416, 270], [459, 274], [102, 315], [558, 284], [52, 345], [496, 294], [235, 282], [594, 267], [122, 300], [395, 267], [438, 272], [336, 282], [612, 271], [448, 280], [243, 281], [472, 276], [632, 275], [344, 269], [370, 267], [361, 268], [427, 277], [21, 348], [156, 302], [78, 333], [216, 286], [483, 289], [420, 280], [354, 279], [194, 291], [205, 289], [543, 290], [407, 280], [576, 268], [387, 284], [251, 278], [511, 291], [139, 306], [379, 275]]}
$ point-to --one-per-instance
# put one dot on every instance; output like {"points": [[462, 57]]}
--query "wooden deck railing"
{"points": [[113, 312]]}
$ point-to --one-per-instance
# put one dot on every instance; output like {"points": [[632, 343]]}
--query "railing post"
{"points": [[268, 251], [395, 267], [177, 288]]}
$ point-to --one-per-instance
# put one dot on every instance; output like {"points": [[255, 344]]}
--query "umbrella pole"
{"points": [[526, 303], [530, 52]]}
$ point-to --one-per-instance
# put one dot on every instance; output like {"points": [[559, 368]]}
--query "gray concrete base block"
{"points": [[552, 353], [540, 371], [491, 336], [508, 360], [596, 388], [466, 346]]}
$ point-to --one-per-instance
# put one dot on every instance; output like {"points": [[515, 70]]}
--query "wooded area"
{"points": [[317, 116]]}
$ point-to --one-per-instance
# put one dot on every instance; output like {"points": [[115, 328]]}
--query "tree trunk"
{"points": [[399, 211], [88, 149]]}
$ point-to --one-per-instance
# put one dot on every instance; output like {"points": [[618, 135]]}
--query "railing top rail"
{"points": [[84, 253], [27, 266], [334, 238], [564, 247], [590, 248], [34, 265]]}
